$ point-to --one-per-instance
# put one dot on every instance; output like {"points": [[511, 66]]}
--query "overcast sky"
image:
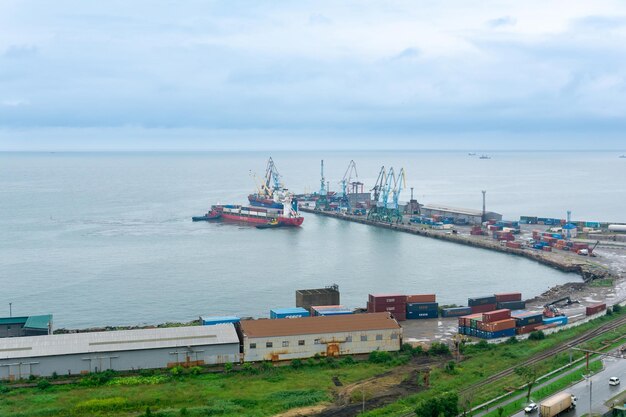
{"points": [[149, 74]]}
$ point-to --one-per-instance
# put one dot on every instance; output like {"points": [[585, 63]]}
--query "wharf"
{"points": [[562, 261]]}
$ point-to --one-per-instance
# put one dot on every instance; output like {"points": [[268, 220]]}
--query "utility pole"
{"points": [[10, 309], [484, 205]]}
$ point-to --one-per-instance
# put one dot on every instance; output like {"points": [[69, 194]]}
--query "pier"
{"points": [[562, 261]]}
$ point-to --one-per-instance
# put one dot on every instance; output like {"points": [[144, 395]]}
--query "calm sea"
{"points": [[107, 238]]}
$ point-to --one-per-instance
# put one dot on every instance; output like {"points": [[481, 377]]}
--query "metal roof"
{"points": [[42, 322], [120, 340], [13, 320], [318, 325], [457, 210]]}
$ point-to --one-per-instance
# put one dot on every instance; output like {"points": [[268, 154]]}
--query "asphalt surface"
{"points": [[601, 391]]}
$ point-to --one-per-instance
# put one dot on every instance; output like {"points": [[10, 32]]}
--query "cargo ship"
{"points": [[289, 217]]}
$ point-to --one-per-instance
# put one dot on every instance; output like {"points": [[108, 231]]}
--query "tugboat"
{"points": [[209, 216]]}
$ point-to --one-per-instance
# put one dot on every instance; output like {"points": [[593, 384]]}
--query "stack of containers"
{"points": [[476, 231], [527, 321], [595, 309], [288, 313], [509, 297], [482, 304], [456, 311], [465, 324], [501, 235], [513, 245], [337, 310], [422, 306], [496, 324], [393, 303]]}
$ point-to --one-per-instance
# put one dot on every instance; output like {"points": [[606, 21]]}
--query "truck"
{"points": [[557, 404]]}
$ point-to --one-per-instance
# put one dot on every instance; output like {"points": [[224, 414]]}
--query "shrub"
{"points": [[184, 412], [609, 311], [617, 308], [446, 404], [31, 377], [98, 378], [439, 349], [347, 360], [266, 365], [43, 384], [450, 368], [55, 375], [538, 335], [249, 369], [379, 356], [310, 362], [331, 362], [296, 364], [177, 370], [3, 388], [228, 367], [512, 340]]}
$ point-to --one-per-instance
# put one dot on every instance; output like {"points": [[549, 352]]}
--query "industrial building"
{"points": [[288, 339], [328, 296], [81, 353], [460, 215], [25, 326]]}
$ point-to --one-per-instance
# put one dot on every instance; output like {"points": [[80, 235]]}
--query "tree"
{"points": [[446, 404], [529, 375]]}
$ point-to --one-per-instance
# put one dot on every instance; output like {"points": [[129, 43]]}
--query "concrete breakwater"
{"points": [[588, 270]]}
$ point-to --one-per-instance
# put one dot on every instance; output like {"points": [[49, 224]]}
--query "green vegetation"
{"points": [[484, 359], [446, 404], [603, 282], [260, 391]]}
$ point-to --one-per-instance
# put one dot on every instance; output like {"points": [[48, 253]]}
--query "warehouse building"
{"points": [[25, 326], [279, 340], [81, 353], [460, 215]]}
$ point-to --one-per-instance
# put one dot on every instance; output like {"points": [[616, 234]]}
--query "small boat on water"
{"points": [[484, 157], [472, 153], [209, 216], [269, 225]]}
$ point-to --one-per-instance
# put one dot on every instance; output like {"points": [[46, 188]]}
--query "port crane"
{"points": [[377, 190], [399, 184], [384, 185], [322, 199], [272, 182]]}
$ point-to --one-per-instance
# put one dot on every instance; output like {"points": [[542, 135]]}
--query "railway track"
{"points": [[542, 356]]}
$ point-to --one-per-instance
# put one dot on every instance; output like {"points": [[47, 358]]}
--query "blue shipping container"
{"points": [[421, 306], [560, 321], [288, 313], [208, 321], [456, 311], [428, 314]]}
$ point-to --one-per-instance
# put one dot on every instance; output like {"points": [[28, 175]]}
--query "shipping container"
{"points": [[288, 313], [527, 318], [496, 335], [422, 307], [514, 245], [429, 314], [456, 311], [483, 308], [209, 321], [527, 329], [465, 320], [512, 305], [421, 298], [387, 298], [595, 309], [478, 301], [334, 312], [559, 321], [509, 296], [547, 248], [497, 326], [496, 315]]}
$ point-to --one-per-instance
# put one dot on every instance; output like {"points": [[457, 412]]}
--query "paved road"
{"points": [[601, 391]]}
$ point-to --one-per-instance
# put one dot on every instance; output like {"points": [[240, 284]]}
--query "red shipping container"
{"points": [[547, 248], [497, 326], [388, 298], [483, 309], [596, 308], [527, 329], [514, 245], [509, 296], [496, 315], [421, 298]]}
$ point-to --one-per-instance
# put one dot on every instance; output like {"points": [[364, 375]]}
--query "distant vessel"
{"points": [[484, 157], [622, 156], [472, 154]]}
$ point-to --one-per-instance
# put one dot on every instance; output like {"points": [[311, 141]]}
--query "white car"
{"points": [[530, 408], [613, 380]]}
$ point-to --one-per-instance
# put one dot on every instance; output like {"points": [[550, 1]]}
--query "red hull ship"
{"points": [[256, 215]]}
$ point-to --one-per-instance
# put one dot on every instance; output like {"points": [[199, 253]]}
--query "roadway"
{"points": [[601, 391]]}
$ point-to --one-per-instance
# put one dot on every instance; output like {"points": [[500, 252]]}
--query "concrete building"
{"points": [[464, 215], [328, 296], [288, 339], [81, 353], [25, 326]]}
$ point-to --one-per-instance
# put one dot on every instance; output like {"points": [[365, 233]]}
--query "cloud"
{"points": [[323, 66], [502, 21]]}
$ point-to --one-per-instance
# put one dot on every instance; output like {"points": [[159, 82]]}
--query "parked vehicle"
{"points": [[613, 380], [531, 408], [557, 404]]}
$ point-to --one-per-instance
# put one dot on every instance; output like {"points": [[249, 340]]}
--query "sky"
{"points": [[466, 74]]}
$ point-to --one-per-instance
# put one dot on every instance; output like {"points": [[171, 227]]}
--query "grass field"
{"points": [[269, 392]]}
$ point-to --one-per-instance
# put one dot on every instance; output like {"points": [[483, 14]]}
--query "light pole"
{"points": [[10, 309]]}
